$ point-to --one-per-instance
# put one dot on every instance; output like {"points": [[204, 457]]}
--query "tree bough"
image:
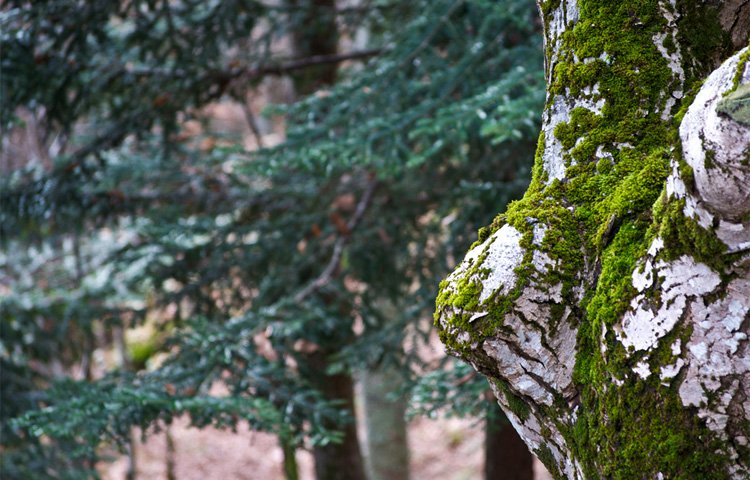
{"points": [[610, 307]]}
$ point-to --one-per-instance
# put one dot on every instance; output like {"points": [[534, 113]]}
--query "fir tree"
{"points": [[255, 265]]}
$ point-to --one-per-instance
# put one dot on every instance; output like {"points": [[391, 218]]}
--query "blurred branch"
{"points": [[338, 248], [253, 124], [253, 73]]}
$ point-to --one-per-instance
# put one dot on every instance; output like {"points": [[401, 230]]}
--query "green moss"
{"points": [[539, 176], [741, 63], [642, 428], [710, 159], [704, 42], [736, 105], [516, 404], [547, 6], [682, 234], [544, 454]]}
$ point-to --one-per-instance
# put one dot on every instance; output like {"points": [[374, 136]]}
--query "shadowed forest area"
{"points": [[223, 225]]}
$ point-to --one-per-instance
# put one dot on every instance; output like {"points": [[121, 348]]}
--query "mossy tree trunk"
{"points": [[610, 307]]}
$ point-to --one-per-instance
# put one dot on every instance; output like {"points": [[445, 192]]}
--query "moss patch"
{"points": [[544, 454], [642, 429], [516, 404]]}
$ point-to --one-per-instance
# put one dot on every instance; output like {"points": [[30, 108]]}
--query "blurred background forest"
{"points": [[234, 215]]}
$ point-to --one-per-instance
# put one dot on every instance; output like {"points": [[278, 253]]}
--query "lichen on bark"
{"points": [[596, 299]]}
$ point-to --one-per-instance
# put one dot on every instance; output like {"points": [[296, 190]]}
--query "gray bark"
{"points": [[610, 307], [385, 419]]}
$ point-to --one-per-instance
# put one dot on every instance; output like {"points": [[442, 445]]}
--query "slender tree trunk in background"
{"points": [[610, 307], [385, 419], [123, 361], [87, 342], [291, 470], [170, 453], [506, 456], [337, 461], [318, 37]]}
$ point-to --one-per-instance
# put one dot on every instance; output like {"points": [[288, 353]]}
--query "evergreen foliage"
{"points": [[248, 264]]}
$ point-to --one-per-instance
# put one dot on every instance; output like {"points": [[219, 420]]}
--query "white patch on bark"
{"points": [[503, 256], [656, 246], [641, 327], [668, 372], [503, 250], [717, 348], [643, 279], [674, 59], [642, 369], [602, 154], [695, 210], [558, 23], [723, 185], [552, 159], [559, 112], [537, 434], [676, 347], [539, 231], [718, 359], [540, 259]]}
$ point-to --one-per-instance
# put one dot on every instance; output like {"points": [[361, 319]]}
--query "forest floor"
{"points": [[441, 449]]}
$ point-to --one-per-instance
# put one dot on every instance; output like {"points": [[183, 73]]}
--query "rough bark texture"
{"points": [[610, 307]]}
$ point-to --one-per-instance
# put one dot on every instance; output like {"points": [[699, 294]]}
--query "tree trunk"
{"points": [[506, 457], [337, 461], [610, 307], [385, 418], [170, 454], [316, 33], [291, 469]]}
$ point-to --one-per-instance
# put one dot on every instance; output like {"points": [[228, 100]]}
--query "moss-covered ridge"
{"points": [[601, 218]]}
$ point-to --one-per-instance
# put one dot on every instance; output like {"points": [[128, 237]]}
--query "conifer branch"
{"points": [[341, 242]]}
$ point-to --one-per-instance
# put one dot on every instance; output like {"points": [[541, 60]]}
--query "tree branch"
{"points": [[252, 73], [341, 242]]}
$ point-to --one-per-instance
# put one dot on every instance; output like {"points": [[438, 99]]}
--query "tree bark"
{"points": [[610, 307], [317, 34], [385, 420], [337, 461]]}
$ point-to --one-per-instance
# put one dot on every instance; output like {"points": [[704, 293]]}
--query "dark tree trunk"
{"points": [[317, 34], [291, 470], [337, 461], [506, 456]]}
